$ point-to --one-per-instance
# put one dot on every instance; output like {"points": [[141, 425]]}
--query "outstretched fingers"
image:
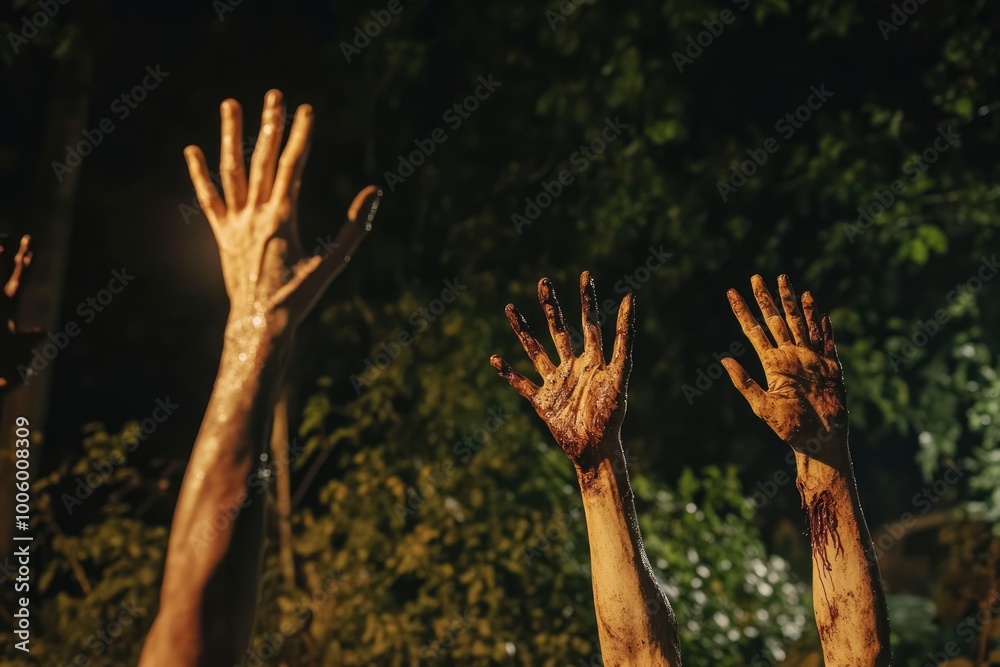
{"points": [[231, 169], [531, 346], [812, 321], [775, 322], [748, 323], [293, 159], [829, 347], [621, 357], [792, 313], [523, 385], [21, 262], [591, 324], [208, 197], [265, 154], [557, 324], [747, 386]]}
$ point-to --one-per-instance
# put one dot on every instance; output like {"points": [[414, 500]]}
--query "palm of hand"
{"points": [[257, 260], [805, 395], [255, 225], [583, 399], [582, 402], [805, 392]]}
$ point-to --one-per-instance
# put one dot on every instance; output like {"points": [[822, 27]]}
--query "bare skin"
{"points": [[806, 405], [583, 402], [15, 345], [214, 555]]}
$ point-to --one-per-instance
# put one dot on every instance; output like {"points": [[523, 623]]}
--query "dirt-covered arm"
{"points": [[806, 405], [582, 400], [210, 584]]}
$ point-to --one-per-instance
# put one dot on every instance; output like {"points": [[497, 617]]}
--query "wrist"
{"points": [[830, 471], [604, 461], [828, 435], [826, 449], [254, 350], [256, 329]]}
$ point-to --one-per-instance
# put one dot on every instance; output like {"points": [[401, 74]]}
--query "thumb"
{"points": [[751, 391], [314, 274]]}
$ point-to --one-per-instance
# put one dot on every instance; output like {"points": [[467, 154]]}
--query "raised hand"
{"points": [[805, 395], [212, 574], [263, 264], [582, 399], [15, 346], [806, 405]]}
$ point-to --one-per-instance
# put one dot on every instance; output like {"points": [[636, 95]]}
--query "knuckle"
{"points": [[231, 167]]}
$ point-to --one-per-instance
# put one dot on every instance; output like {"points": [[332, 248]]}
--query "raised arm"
{"points": [[214, 555], [582, 400], [806, 405], [15, 345]]}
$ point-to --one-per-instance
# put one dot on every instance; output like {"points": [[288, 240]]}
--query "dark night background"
{"points": [[656, 186]]}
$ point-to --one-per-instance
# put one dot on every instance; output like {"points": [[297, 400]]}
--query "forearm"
{"points": [[635, 622], [214, 554], [848, 600]]}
